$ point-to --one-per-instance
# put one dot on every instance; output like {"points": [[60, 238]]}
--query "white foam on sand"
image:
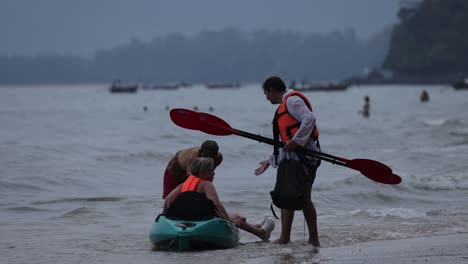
{"points": [[404, 213]]}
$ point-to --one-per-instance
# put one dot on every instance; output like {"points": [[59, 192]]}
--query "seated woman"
{"points": [[197, 199]]}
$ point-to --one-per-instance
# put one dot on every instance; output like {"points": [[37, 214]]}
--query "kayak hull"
{"points": [[185, 235]]}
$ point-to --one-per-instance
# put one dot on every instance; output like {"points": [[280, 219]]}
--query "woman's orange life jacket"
{"points": [[191, 184], [191, 205], [288, 125]]}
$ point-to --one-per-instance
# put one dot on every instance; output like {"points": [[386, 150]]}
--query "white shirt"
{"points": [[298, 109]]}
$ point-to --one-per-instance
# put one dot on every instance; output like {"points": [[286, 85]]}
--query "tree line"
{"points": [[429, 44], [430, 41], [210, 56]]}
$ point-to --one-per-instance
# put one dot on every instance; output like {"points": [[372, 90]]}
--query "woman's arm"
{"points": [[299, 110], [211, 194]]}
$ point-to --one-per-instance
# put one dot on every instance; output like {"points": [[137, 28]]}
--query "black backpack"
{"points": [[291, 185]]}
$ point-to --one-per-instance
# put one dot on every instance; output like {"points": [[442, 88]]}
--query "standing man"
{"points": [[294, 123], [178, 168]]}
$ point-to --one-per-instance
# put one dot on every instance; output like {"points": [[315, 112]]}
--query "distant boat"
{"points": [[118, 87], [163, 86], [460, 85], [323, 87], [222, 85]]}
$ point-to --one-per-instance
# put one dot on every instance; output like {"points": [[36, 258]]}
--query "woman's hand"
{"points": [[238, 220]]}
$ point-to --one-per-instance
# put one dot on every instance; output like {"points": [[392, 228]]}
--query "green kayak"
{"points": [[215, 233]]}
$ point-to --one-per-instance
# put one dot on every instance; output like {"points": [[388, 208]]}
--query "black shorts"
{"points": [[311, 173]]}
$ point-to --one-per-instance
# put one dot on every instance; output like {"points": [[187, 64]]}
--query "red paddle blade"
{"points": [[393, 179], [374, 170], [385, 179], [368, 166], [213, 125], [184, 118], [204, 122]]}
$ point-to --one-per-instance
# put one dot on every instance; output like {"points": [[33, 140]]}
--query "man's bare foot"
{"points": [[315, 246], [280, 241], [314, 243], [315, 250]]}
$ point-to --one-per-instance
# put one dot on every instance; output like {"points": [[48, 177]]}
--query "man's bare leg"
{"points": [[287, 217], [310, 215]]}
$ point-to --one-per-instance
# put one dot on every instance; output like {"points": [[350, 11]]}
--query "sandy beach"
{"points": [[432, 249], [438, 249]]}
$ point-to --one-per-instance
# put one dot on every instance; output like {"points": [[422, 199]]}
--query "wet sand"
{"points": [[432, 249], [438, 249]]}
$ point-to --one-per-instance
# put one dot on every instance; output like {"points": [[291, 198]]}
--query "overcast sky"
{"points": [[80, 27]]}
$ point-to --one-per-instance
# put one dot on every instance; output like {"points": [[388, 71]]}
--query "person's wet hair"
{"points": [[209, 148], [274, 83]]}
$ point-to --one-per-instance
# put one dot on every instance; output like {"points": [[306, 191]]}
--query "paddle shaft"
{"points": [[316, 154]]}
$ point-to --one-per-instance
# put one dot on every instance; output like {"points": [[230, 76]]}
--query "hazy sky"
{"points": [[30, 27]]}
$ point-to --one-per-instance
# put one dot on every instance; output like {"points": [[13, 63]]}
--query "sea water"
{"points": [[81, 169]]}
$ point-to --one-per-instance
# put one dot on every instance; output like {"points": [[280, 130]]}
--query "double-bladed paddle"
{"points": [[214, 125]]}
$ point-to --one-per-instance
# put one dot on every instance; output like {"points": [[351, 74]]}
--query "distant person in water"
{"points": [[197, 199], [178, 168], [424, 96], [366, 108]]}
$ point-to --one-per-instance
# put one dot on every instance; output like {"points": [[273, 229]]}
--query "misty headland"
{"points": [[425, 46]]}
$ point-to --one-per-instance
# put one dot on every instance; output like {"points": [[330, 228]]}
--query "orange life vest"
{"points": [[191, 205], [288, 125], [191, 184]]}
